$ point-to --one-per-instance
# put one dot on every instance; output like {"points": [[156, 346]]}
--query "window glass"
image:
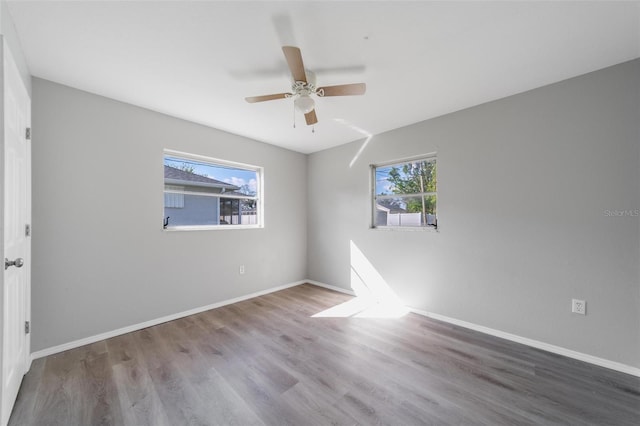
{"points": [[204, 192], [405, 194]]}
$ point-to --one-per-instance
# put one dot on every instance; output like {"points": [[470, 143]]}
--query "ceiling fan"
{"points": [[302, 87]]}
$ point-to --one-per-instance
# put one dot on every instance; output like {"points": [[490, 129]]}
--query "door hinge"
{"points": [[27, 327], [27, 230], [27, 133]]}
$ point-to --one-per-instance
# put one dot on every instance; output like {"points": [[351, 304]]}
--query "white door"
{"points": [[17, 213]]}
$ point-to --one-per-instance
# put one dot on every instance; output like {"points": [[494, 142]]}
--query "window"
{"points": [[404, 194], [205, 193]]}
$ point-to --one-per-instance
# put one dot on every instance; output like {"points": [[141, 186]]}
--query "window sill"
{"points": [[210, 227], [405, 228]]}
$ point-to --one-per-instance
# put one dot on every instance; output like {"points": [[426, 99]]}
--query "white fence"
{"points": [[409, 219], [246, 219]]}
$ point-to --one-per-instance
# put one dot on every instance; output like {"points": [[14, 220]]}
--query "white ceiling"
{"points": [[199, 60]]}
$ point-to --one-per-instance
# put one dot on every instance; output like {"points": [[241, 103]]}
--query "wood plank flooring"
{"points": [[267, 361]]}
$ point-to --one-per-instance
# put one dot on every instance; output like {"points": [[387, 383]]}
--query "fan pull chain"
{"points": [[313, 129], [294, 116]]}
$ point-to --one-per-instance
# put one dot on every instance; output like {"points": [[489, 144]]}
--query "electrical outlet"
{"points": [[241, 270], [578, 306]]}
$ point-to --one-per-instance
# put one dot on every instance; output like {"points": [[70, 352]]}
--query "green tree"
{"points": [[248, 204]]}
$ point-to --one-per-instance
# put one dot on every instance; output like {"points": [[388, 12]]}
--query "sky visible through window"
{"points": [[231, 175], [383, 186]]}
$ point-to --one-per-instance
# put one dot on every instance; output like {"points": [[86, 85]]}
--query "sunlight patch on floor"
{"points": [[363, 307]]}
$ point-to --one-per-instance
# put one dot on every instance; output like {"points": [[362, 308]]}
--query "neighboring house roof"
{"points": [[173, 175], [389, 206]]}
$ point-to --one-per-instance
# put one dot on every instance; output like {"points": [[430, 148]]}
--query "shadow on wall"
{"points": [[374, 298]]}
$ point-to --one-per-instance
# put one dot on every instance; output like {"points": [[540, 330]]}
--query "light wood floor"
{"points": [[266, 361]]}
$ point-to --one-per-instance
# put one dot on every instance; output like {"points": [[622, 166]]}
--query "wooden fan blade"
{"points": [[294, 59], [254, 99], [310, 117], [344, 89]]}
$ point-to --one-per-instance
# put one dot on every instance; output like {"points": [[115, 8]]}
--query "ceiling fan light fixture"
{"points": [[304, 104], [303, 85]]}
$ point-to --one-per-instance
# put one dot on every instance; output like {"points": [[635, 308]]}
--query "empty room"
{"points": [[320, 213]]}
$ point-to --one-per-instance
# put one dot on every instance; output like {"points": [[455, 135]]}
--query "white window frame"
{"points": [[374, 198], [259, 197]]}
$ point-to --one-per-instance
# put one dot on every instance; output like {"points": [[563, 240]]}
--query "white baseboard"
{"points": [[612, 365], [534, 343], [493, 332], [331, 287], [102, 336]]}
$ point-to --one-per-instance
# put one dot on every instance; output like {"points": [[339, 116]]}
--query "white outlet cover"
{"points": [[578, 306]]}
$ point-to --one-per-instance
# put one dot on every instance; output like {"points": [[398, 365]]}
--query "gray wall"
{"points": [[524, 186], [101, 260]]}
